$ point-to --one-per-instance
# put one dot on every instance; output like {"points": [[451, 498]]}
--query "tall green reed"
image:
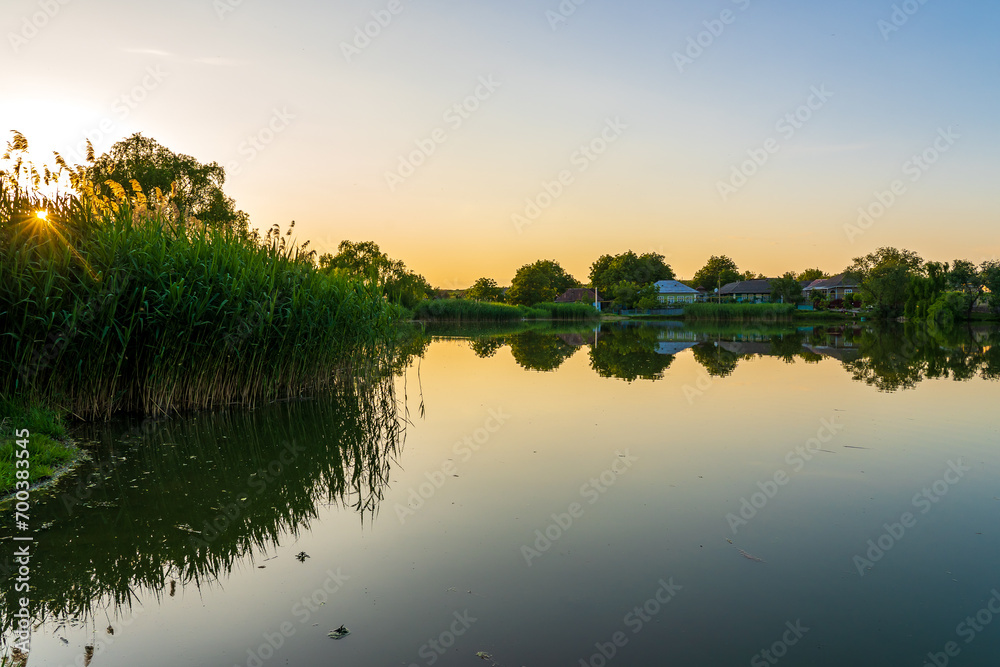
{"points": [[110, 304]]}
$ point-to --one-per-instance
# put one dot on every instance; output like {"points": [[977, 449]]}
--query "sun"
{"points": [[42, 215]]}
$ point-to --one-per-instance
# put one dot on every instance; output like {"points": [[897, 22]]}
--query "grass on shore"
{"points": [[46, 443]]}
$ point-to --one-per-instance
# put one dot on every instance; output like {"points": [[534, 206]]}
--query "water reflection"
{"points": [[184, 500], [887, 357], [187, 501]]}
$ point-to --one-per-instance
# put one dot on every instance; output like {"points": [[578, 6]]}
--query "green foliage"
{"points": [[787, 289], [970, 281], [485, 289], [609, 271], [990, 271], [196, 188], [962, 281], [539, 282], [45, 426], [742, 312], [46, 456], [717, 272], [366, 261], [110, 306], [17, 414], [629, 295], [924, 290], [464, 310], [583, 310], [884, 278], [946, 309], [811, 275]]}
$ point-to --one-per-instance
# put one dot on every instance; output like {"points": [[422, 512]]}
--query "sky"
{"points": [[470, 138]]}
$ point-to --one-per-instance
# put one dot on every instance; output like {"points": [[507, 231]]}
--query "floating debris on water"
{"points": [[339, 633], [751, 556], [301, 556], [187, 529]]}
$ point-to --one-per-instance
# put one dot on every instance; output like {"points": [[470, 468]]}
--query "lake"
{"points": [[629, 494]]}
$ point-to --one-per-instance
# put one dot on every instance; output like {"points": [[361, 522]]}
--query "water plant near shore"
{"points": [[111, 303], [464, 310]]}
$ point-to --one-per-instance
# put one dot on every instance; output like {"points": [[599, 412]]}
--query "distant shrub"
{"points": [[463, 310], [740, 312]]}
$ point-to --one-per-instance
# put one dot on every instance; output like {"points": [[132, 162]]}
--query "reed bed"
{"points": [[464, 310], [113, 307], [739, 312]]}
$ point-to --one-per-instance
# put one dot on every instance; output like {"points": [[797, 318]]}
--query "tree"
{"points": [[811, 275], [787, 289], [629, 295], [718, 271], [969, 280], [539, 282], [990, 271], [884, 278], [196, 188], [644, 269], [366, 260], [485, 289], [750, 275], [924, 290]]}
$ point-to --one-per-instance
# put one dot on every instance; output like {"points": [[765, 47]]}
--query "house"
{"points": [[751, 291], [582, 295], [672, 291], [830, 288]]}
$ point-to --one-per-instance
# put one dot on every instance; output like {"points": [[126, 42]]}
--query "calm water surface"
{"points": [[641, 495]]}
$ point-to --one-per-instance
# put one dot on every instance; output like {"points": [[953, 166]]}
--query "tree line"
{"points": [[891, 282]]}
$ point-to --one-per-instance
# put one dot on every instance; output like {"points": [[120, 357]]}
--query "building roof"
{"points": [[762, 286], [831, 283], [674, 287], [574, 294]]}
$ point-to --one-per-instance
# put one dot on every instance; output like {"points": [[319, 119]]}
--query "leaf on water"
{"points": [[339, 633]]}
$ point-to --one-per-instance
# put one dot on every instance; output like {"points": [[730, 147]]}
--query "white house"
{"points": [[672, 291]]}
